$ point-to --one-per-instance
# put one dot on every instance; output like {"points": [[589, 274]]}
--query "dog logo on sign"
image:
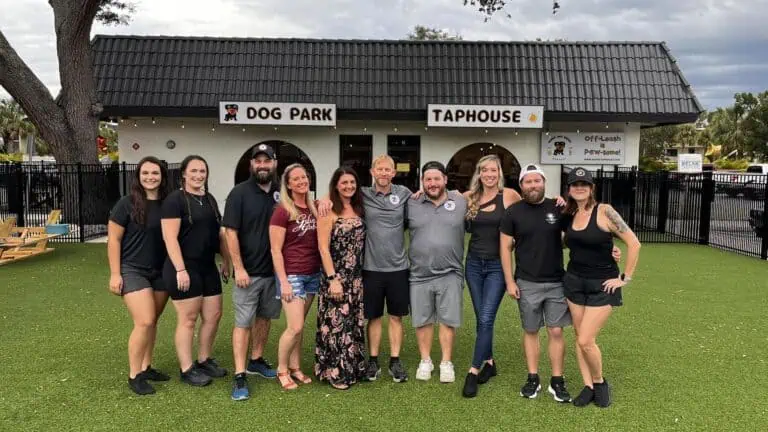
{"points": [[394, 199], [450, 205]]}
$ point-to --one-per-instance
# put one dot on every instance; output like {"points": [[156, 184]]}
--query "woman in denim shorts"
{"points": [[296, 258]]}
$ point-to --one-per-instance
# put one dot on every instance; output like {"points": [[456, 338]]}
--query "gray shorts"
{"points": [[136, 279], [438, 300], [256, 300], [542, 302]]}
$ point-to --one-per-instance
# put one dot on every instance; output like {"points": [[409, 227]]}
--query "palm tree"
{"points": [[13, 124]]}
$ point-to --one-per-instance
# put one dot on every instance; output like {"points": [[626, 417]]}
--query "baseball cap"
{"points": [[263, 148], [531, 169], [433, 165], [579, 174]]}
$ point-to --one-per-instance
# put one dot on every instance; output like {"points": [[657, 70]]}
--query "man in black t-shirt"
{"points": [[247, 213], [532, 227]]}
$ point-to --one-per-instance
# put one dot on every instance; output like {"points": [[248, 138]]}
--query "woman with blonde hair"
{"points": [[296, 259], [487, 199]]}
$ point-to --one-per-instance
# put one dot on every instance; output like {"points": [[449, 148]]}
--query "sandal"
{"points": [[339, 385], [298, 375], [288, 383]]}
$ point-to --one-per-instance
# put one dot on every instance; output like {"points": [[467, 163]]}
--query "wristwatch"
{"points": [[625, 278], [331, 277]]}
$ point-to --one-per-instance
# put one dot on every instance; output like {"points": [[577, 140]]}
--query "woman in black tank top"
{"points": [[593, 281], [487, 199]]}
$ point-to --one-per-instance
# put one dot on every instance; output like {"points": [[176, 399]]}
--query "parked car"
{"points": [[751, 183], [756, 222]]}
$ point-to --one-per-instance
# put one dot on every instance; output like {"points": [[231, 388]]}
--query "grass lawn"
{"points": [[686, 352]]}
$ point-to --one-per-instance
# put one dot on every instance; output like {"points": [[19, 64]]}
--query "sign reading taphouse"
{"points": [[583, 148], [488, 116], [268, 113]]}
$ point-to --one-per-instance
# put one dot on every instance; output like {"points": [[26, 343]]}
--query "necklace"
{"points": [[198, 201]]}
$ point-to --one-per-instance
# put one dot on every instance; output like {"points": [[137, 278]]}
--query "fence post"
{"points": [[764, 246], [661, 220], [632, 196], [80, 201], [123, 187], [18, 198], [707, 196]]}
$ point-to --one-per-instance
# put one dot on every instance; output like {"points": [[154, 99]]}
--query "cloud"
{"points": [[721, 46]]}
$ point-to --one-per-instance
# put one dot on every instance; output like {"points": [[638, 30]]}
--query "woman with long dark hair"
{"points": [[193, 236], [340, 338], [592, 280], [295, 257], [136, 254]]}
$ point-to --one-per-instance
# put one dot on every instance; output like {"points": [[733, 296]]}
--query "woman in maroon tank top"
{"points": [[593, 281]]}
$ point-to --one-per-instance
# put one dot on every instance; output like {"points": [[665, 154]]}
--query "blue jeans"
{"points": [[485, 279]]}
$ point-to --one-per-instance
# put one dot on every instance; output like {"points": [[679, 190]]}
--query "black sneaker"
{"points": [[603, 394], [373, 371], [397, 371], [531, 388], [584, 398], [140, 386], [470, 386], [211, 368], [155, 375], [195, 377], [487, 372], [558, 391]]}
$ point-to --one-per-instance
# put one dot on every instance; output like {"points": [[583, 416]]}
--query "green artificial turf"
{"points": [[686, 352]]}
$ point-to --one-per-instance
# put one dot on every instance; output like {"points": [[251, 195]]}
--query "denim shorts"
{"points": [[302, 285]]}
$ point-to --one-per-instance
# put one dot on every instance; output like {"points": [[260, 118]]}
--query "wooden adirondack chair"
{"points": [[26, 242]]}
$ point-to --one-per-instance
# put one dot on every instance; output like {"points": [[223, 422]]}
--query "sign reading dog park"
{"points": [[267, 113], [582, 148], [488, 116]]}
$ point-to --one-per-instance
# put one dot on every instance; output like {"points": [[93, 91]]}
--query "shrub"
{"points": [[11, 157], [735, 164]]}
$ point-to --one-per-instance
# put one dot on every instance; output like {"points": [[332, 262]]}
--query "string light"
{"points": [[243, 128], [395, 129], [516, 132], [547, 133], [153, 121], [213, 127], [182, 125], [135, 124], [606, 125]]}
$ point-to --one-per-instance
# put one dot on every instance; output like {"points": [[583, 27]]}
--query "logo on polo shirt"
{"points": [[551, 218], [276, 196], [450, 205], [394, 199]]}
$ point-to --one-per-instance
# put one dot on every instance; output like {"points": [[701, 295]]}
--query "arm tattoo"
{"points": [[616, 220]]}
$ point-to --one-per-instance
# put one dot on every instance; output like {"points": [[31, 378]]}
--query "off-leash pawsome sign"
{"points": [[268, 113], [485, 116], [583, 148]]}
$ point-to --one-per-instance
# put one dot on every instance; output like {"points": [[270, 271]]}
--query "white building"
{"points": [[551, 103]]}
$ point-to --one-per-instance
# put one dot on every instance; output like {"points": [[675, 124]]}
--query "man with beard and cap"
{"points": [[247, 213], [436, 222], [532, 227]]}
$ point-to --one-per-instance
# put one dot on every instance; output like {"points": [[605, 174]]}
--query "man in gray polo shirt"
{"points": [[436, 222], [385, 266]]}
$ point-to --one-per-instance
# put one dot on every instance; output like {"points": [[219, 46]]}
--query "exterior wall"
{"points": [[224, 146]]}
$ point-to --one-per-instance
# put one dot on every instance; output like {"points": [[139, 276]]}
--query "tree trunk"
{"points": [[70, 123]]}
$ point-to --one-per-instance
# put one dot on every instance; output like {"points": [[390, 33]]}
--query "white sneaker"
{"points": [[447, 374], [424, 372]]}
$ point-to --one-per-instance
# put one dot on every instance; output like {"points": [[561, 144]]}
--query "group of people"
{"points": [[348, 249]]}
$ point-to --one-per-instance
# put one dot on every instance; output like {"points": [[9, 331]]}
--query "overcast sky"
{"points": [[721, 45]]}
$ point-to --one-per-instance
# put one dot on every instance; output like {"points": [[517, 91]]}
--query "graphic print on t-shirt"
{"points": [[304, 222]]}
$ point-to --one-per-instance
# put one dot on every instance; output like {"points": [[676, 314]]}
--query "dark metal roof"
{"points": [[175, 76]]}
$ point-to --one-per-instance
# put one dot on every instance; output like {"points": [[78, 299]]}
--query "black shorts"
{"points": [[204, 280], [392, 286], [589, 292], [137, 279]]}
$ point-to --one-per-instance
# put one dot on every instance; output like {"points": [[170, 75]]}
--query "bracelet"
{"points": [[182, 270]]}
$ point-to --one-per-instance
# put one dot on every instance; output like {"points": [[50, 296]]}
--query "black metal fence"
{"points": [[85, 193], [723, 210]]}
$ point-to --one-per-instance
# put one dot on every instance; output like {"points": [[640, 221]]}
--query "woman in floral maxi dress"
{"points": [[340, 350]]}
